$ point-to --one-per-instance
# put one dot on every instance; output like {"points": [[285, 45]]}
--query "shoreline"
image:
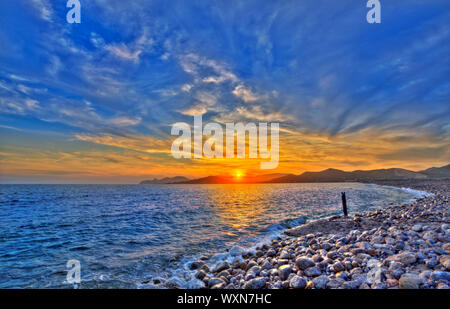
{"points": [[404, 246]]}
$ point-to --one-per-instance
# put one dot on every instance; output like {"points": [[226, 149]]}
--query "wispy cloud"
{"points": [[245, 94], [332, 80], [43, 8]]}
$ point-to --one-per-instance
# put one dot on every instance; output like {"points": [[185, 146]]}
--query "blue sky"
{"points": [[91, 101]]}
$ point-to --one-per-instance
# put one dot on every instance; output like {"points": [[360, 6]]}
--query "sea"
{"points": [[134, 236]]}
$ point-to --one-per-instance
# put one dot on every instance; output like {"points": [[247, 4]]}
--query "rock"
{"points": [[326, 246], [200, 275], [219, 286], [338, 266], [373, 263], [257, 283], [284, 271], [335, 283], [405, 258], [379, 285], [391, 282], [440, 275], [230, 286], [297, 282], [343, 275], [284, 255], [223, 273], [196, 265], [397, 273], [320, 282], [445, 261], [221, 266], [309, 285], [375, 275], [255, 270], [417, 228], [432, 263], [357, 251], [251, 264], [312, 272], [304, 263], [271, 253], [409, 281], [266, 265], [332, 255], [215, 281], [354, 284]]}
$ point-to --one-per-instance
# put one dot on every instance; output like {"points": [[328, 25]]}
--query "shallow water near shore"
{"points": [[127, 235]]}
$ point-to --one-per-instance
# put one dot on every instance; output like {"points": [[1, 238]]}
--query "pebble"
{"points": [[408, 248], [320, 282], [312, 272], [297, 282], [409, 281], [221, 266], [304, 263], [257, 283], [284, 271]]}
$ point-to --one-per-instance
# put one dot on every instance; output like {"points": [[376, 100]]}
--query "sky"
{"points": [[95, 102]]}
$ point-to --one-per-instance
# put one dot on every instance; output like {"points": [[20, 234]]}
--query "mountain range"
{"points": [[166, 180], [328, 175]]}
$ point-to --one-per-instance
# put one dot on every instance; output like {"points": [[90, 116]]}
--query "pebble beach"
{"points": [[399, 246]]}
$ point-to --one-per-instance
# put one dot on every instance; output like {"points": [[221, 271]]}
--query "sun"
{"points": [[238, 174]]}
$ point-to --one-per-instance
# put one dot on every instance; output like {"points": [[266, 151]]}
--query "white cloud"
{"points": [[97, 40], [55, 65], [165, 56], [207, 101], [44, 9], [132, 51], [245, 94], [199, 109], [196, 65], [206, 98], [124, 121], [18, 105], [122, 51], [255, 112], [186, 87]]}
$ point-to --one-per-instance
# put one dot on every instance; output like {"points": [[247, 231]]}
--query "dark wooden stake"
{"points": [[344, 203]]}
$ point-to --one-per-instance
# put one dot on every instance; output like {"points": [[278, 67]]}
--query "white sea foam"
{"points": [[417, 193]]}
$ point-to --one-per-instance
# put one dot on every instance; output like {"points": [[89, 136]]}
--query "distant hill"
{"points": [[437, 172], [166, 180], [334, 175], [328, 175]]}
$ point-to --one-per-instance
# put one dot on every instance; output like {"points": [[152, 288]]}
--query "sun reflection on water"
{"points": [[238, 205]]}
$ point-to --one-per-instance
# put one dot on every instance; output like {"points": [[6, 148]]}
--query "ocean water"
{"points": [[127, 235]]}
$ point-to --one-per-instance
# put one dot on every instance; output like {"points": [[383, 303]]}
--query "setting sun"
{"points": [[238, 174]]}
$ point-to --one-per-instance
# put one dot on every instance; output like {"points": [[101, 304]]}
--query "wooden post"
{"points": [[344, 203]]}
